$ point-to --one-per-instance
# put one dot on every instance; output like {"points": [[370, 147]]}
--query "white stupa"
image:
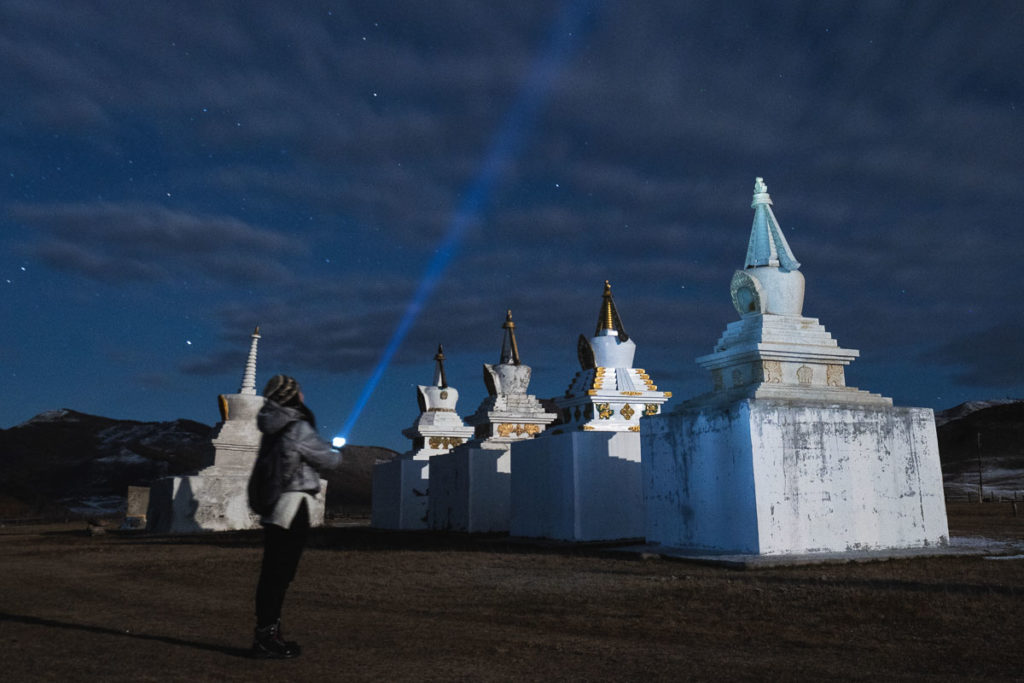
{"points": [[508, 414], [782, 457], [215, 498], [470, 486], [581, 480], [400, 486]]}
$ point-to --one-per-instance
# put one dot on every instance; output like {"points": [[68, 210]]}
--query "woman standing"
{"points": [[289, 436]]}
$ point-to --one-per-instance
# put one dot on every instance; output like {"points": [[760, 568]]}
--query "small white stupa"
{"points": [[508, 414], [400, 486], [581, 480], [782, 457], [216, 498], [469, 487]]}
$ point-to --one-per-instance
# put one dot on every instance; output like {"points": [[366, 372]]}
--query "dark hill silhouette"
{"points": [[992, 431], [64, 461]]}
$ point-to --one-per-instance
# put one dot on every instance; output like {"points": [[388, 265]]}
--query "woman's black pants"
{"points": [[282, 549]]}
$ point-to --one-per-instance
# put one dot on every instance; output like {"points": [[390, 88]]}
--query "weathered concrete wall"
{"points": [[847, 478], [699, 479], [578, 486], [762, 476], [400, 489], [205, 502], [470, 489]]}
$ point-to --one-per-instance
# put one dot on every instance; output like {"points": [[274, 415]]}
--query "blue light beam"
{"points": [[504, 148]]}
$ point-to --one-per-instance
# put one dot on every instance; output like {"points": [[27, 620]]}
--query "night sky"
{"points": [[176, 172]]}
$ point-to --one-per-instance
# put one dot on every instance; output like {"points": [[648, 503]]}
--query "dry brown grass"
{"points": [[372, 605]]}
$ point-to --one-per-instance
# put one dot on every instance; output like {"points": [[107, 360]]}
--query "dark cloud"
{"points": [[138, 242], [987, 358], [300, 167]]}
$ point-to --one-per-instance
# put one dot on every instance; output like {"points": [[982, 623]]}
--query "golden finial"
{"points": [[606, 308], [609, 318], [509, 348], [439, 357]]}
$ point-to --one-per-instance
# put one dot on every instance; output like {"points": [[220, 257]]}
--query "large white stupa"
{"points": [[581, 480], [781, 457]]}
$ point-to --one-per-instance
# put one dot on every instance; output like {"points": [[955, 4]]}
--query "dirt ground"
{"points": [[371, 605]]}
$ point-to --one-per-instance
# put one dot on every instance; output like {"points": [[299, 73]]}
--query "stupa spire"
{"points": [[249, 376], [509, 349], [767, 246], [440, 380], [608, 322]]}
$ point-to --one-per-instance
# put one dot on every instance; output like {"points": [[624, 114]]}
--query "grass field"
{"points": [[371, 605]]}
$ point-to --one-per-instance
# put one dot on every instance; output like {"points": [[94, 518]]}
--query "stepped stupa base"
{"points": [[470, 489], [400, 489], [781, 477], [212, 500], [578, 486]]}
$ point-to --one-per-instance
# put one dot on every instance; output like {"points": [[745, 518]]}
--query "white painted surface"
{"points": [[470, 490], [209, 502], [400, 490], [780, 477], [237, 440], [612, 352], [401, 486], [578, 486]]}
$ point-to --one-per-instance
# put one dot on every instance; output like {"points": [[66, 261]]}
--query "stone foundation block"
{"points": [[782, 477]]}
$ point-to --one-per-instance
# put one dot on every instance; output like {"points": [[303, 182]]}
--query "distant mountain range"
{"points": [[63, 461], [985, 436]]}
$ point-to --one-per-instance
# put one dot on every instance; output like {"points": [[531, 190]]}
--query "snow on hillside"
{"points": [[965, 409]]}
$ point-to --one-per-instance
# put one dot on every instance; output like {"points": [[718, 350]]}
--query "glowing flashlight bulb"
{"points": [[338, 441]]}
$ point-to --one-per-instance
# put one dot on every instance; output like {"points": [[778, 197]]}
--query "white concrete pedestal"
{"points": [[470, 490], [578, 486], [400, 489], [761, 476], [212, 500]]}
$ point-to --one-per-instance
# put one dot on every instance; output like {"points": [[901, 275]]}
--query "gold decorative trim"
{"points": [[604, 411], [631, 393], [667, 394], [517, 429], [651, 409], [627, 412], [588, 428], [634, 428], [444, 441]]}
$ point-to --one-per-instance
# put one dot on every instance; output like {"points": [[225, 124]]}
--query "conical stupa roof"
{"points": [[609, 317], [767, 246]]}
